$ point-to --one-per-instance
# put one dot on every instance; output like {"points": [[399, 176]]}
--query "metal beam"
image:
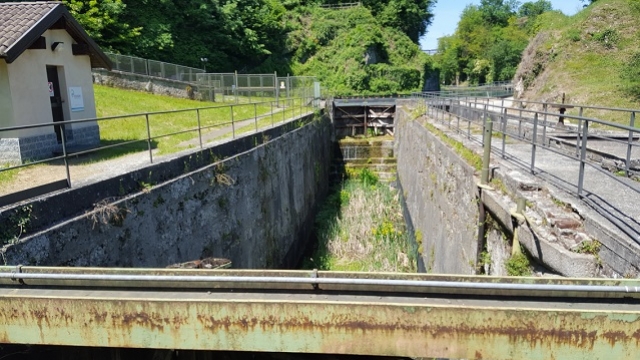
{"points": [[320, 323], [409, 315]]}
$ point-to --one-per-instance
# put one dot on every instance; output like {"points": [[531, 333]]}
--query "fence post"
{"points": [[544, 125], [520, 125], [233, 126], [533, 143], [630, 144], [64, 153], [272, 121], [504, 130], [235, 85], [276, 88], [486, 159], [162, 70], [199, 127], [255, 115], [578, 133], [146, 66], [583, 156], [146, 116]]}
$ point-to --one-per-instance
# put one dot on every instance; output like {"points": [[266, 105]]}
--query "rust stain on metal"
{"points": [[348, 328]]}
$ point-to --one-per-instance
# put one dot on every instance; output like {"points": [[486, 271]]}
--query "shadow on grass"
{"points": [[101, 154]]}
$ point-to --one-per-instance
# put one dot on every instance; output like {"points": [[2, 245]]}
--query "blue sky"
{"points": [[447, 13]]}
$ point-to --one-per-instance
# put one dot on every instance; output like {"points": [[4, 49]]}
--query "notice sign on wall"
{"points": [[51, 94], [75, 98]]}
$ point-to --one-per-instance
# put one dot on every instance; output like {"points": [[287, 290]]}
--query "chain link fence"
{"points": [[136, 65], [223, 86]]}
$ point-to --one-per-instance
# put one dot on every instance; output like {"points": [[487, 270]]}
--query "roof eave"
{"points": [[98, 57]]}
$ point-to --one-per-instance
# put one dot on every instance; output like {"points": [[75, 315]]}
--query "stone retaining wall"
{"points": [[255, 208]]}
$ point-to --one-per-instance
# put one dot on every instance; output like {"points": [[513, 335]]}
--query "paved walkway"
{"points": [[615, 198]]}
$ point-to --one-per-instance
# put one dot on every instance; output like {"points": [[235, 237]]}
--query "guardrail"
{"points": [[203, 119], [582, 143]]}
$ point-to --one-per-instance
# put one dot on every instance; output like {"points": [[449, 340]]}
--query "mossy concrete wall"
{"points": [[256, 208], [441, 197]]}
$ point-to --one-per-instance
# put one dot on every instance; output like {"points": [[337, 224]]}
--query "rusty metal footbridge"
{"points": [[412, 315]]}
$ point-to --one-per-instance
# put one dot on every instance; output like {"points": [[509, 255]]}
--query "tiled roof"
{"points": [[17, 18]]}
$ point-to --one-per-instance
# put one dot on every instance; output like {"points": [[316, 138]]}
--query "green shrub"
{"points": [[608, 37], [574, 35], [518, 265]]}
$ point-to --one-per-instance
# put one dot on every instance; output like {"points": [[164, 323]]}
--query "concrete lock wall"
{"points": [[441, 197], [151, 84], [255, 208]]}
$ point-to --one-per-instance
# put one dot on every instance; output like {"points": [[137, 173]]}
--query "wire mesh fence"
{"points": [[136, 65]]}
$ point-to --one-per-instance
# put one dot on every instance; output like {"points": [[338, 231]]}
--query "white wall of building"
{"points": [[6, 105], [28, 83]]}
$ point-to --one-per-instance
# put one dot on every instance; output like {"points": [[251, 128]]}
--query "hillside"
{"points": [[351, 53], [369, 48], [593, 57]]}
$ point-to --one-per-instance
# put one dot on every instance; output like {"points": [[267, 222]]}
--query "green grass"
{"points": [[7, 175], [590, 58], [360, 228], [117, 102], [469, 156]]}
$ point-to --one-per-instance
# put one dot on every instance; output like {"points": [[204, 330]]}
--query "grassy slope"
{"points": [[585, 56], [333, 44], [114, 102]]}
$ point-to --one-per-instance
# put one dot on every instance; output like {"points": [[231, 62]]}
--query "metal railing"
{"points": [[340, 6], [586, 142], [495, 89], [136, 65], [203, 119]]}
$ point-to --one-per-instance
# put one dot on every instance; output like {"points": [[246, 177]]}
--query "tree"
{"points": [[498, 12], [533, 9]]}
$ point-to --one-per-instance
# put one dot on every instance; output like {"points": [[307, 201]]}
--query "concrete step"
{"points": [[366, 161], [373, 167], [366, 152]]}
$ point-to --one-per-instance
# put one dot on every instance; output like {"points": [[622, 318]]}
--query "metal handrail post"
{"points": [[233, 125], [630, 144], [64, 153], [578, 133], [255, 115], [504, 130], [583, 156], [486, 158], [544, 125], [146, 116], [272, 122], [520, 124], [533, 143], [199, 127]]}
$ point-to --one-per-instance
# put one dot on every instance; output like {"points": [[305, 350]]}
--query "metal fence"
{"points": [[249, 87], [136, 65], [340, 6], [202, 123], [594, 149]]}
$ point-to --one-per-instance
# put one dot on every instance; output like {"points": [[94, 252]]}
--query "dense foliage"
{"points": [[372, 47], [488, 42]]}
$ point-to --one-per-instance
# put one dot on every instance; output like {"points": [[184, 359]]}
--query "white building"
{"points": [[45, 77]]}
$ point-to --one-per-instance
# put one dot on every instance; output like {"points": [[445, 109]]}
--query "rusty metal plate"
{"points": [[321, 323]]}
